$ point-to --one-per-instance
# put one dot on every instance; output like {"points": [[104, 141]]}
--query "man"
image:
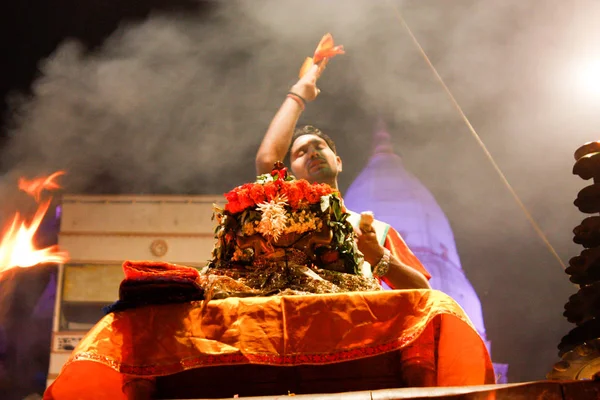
{"points": [[313, 157]]}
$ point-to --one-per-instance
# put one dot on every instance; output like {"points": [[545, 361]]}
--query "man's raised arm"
{"points": [[278, 138]]}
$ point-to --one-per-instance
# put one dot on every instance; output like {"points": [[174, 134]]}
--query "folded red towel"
{"points": [[155, 282], [159, 271]]}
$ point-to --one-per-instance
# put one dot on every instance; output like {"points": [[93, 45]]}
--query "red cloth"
{"points": [[159, 271], [156, 282]]}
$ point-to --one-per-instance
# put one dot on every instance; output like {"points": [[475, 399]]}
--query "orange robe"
{"points": [[427, 327], [399, 249]]}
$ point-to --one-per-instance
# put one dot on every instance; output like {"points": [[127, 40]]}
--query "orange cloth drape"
{"points": [[278, 330]]}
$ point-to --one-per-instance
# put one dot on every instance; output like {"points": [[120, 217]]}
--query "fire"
{"points": [[16, 246], [34, 187]]}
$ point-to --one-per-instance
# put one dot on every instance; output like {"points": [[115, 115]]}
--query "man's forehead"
{"points": [[306, 140]]}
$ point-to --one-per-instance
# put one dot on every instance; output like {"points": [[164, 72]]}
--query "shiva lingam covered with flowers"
{"points": [[280, 235]]}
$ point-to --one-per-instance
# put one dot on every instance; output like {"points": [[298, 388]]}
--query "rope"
{"points": [[516, 197]]}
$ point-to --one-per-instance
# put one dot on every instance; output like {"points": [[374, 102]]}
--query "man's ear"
{"points": [[338, 160]]}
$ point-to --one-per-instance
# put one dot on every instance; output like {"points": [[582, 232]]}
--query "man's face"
{"points": [[312, 159]]}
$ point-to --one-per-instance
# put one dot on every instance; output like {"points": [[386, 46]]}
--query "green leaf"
{"points": [[336, 207], [339, 237]]}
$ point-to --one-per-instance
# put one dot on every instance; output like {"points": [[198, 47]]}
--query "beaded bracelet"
{"points": [[383, 265], [298, 99]]}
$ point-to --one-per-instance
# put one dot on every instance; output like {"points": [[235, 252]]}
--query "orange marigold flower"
{"points": [[294, 195]]}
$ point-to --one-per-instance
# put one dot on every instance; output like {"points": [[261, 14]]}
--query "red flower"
{"points": [[233, 204], [257, 193], [303, 185], [312, 195], [283, 173], [239, 198], [244, 198], [251, 194], [280, 171], [271, 190]]}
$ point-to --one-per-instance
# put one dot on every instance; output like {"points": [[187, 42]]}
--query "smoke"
{"points": [[153, 109], [179, 104], [157, 107]]}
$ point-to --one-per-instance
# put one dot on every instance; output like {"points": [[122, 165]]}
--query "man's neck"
{"points": [[332, 184]]}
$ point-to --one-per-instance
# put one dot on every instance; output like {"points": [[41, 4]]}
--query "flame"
{"points": [[325, 50], [34, 187], [16, 247]]}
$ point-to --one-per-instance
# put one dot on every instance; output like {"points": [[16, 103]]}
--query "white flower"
{"points": [[273, 218], [262, 179]]}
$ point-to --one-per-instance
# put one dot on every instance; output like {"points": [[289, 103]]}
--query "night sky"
{"points": [[174, 97], [31, 31]]}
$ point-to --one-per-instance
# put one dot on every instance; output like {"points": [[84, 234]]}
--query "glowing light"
{"points": [[587, 78]]}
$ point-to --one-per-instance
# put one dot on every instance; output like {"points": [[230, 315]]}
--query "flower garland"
{"points": [[276, 185]]}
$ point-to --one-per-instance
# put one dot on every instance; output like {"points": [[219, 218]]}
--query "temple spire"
{"points": [[382, 141]]}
